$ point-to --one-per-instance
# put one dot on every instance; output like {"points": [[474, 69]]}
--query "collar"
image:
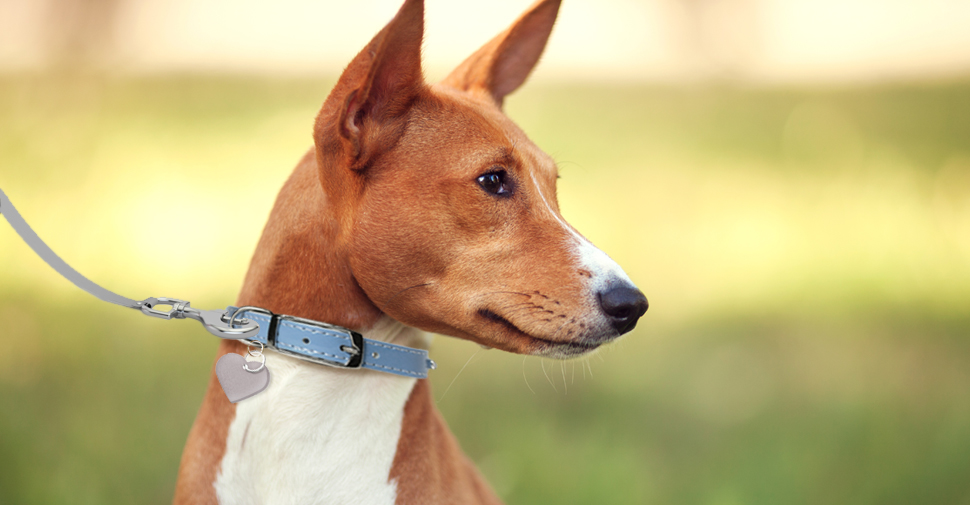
{"points": [[331, 345]]}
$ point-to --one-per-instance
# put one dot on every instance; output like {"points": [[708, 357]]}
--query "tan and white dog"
{"points": [[421, 207]]}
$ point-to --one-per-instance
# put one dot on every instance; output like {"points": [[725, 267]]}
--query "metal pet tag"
{"points": [[237, 379]]}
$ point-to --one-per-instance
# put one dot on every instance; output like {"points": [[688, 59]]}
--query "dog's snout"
{"points": [[624, 305]]}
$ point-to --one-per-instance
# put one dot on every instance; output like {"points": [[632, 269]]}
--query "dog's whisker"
{"points": [[524, 376], [521, 309], [556, 333], [542, 363], [527, 311], [399, 293], [515, 305], [562, 368], [504, 293], [456, 376]]}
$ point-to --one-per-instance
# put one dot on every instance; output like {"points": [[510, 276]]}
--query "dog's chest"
{"points": [[315, 435]]}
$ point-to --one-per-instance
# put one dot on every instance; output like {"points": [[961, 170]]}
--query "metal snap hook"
{"points": [[177, 308], [214, 321], [218, 324]]}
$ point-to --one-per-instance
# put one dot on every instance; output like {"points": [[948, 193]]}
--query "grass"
{"points": [[806, 253]]}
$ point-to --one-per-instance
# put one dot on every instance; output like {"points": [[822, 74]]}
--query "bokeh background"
{"points": [[788, 181]]}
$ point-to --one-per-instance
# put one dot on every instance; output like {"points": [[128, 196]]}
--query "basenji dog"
{"points": [[420, 208]]}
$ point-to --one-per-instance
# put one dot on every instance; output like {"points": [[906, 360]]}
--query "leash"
{"points": [[215, 321], [309, 340]]}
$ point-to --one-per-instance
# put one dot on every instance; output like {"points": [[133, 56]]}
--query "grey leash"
{"points": [[215, 321]]}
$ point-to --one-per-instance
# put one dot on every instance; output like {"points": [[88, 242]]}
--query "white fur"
{"points": [[605, 271], [318, 434]]}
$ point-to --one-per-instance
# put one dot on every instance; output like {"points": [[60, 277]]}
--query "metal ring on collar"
{"points": [[255, 353], [248, 308], [262, 364]]}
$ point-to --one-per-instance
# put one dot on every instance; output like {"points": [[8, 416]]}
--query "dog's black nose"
{"points": [[624, 305]]}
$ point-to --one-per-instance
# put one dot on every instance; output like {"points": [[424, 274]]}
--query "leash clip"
{"points": [[215, 322]]}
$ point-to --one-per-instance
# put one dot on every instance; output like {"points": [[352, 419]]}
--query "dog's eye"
{"points": [[495, 183]]}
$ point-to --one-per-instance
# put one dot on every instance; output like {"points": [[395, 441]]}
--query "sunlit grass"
{"points": [[806, 254]]}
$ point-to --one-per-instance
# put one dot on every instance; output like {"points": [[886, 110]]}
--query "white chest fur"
{"points": [[318, 434]]}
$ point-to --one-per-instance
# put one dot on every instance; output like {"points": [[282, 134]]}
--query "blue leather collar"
{"points": [[331, 345]]}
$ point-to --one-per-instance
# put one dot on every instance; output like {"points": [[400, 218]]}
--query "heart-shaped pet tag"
{"points": [[237, 383]]}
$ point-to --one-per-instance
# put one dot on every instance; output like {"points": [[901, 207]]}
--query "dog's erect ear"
{"points": [[380, 83], [503, 64]]}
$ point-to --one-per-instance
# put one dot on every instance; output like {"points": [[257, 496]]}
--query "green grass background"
{"points": [[806, 253]]}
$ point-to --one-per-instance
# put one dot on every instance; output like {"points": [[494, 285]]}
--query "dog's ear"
{"points": [[380, 84], [503, 64]]}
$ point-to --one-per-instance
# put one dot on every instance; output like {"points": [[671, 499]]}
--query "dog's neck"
{"points": [[316, 434], [301, 267]]}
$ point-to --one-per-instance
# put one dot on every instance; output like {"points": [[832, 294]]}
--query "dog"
{"points": [[420, 208]]}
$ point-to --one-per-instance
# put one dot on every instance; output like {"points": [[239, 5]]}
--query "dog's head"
{"points": [[446, 208]]}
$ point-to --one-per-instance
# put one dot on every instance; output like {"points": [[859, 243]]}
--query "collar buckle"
{"points": [[355, 347]]}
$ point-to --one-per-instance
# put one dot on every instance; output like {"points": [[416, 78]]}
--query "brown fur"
{"points": [[429, 465], [384, 216]]}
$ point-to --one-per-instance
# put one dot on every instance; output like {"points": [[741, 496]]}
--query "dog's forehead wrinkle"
{"points": [[492, 121], [480, 143]]}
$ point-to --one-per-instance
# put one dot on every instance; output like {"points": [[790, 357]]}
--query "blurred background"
{"points": [[788, 181]]}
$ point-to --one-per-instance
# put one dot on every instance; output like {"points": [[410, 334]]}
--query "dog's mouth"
{"points": [[531, 344]]}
